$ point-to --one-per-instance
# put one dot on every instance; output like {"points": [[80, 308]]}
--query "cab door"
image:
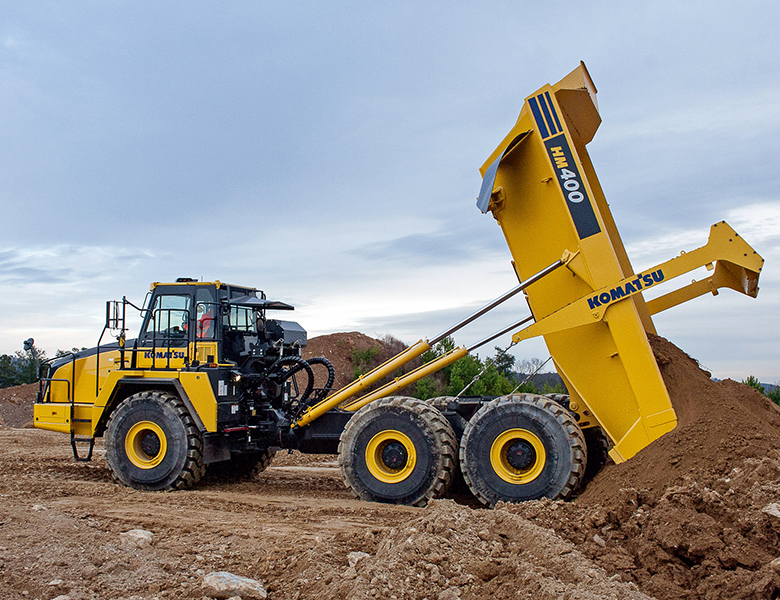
{"points": [[165, 338]]}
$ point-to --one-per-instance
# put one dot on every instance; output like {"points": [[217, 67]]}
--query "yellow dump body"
{"points": [[540, 186]]}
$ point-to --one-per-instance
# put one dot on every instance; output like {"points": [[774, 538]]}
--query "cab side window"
{"points": [[168, 321], [206, 313]]}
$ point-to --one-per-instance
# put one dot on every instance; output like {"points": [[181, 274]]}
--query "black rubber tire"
{"points": [[562, 399], [441, 403], [552, 426], [179, 467], [434, 446], [596, 441], [598, 446], [241, 467], [458, 485]]}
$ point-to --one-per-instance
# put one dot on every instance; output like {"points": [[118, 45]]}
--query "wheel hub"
{"points": [[394, 456], [521, 455], [146, 445], [150, 444]]}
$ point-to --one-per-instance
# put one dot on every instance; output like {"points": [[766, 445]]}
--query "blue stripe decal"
{"points": [[538, 116], [552, 110], [572, 186], [547, 115]]}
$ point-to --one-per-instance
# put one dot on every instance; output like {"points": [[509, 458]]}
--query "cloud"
{"points": [[450, 247], [706, 115], [65, 263]]}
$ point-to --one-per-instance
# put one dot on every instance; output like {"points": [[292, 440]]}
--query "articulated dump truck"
{"points": [[213, 382]]}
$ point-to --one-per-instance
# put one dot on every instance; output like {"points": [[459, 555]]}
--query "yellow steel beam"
{"points": [[362, 382], [732, 253], [401, 382]]}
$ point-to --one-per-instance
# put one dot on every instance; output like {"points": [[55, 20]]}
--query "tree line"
{"points": [[498, 375], [773, 395], [20, 367]]}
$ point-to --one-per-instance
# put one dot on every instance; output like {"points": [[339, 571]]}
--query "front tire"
{"points": [[523, 447], [153, 444], [398, 450]]}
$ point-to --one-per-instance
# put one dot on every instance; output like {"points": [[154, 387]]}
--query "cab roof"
{"points": [[184, 281]]}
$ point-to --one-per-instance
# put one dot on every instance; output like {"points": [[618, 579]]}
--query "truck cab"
{"points": [[208, 345]]}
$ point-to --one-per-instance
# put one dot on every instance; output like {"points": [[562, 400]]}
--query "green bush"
{"points": [[361, 360], [753, 382]]}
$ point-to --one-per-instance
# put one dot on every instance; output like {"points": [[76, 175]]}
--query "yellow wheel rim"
{"points": [[140, 445], [377, 466], [499, 456]]}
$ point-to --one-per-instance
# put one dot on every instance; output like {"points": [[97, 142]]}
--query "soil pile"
{"points": [[352, 354], [720, 424], [16, 405], [451, 551], [339, 348], [695, 514]]}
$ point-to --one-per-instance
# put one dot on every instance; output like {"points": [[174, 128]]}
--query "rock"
{"points": [[599, 540], [355, 557], [63, 597], [39, 507], [136, 538], [775, 565], [773, 510], [89, 572], [224, 585]]}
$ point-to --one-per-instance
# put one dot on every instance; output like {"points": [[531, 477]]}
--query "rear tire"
{"points": [[458, 485], [398, 450], [597, 443], [153, 444], [441, 403], [522, 447]]}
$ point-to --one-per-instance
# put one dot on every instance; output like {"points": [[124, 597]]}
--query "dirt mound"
{"points": [[451, 551], [353, 353], [695, 514], [16, 405], [720, 424], [338, 348]]}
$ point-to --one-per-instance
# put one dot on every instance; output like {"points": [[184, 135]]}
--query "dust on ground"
{"points": [[694, 515], [292, 528]]}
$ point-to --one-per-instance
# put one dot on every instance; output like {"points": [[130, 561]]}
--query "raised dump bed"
{"points": [[541, 187]]}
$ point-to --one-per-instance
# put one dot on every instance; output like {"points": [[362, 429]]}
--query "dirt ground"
{"points": [[695, 515]]}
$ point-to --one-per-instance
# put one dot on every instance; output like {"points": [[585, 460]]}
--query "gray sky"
{"points": [[328, 153]]}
